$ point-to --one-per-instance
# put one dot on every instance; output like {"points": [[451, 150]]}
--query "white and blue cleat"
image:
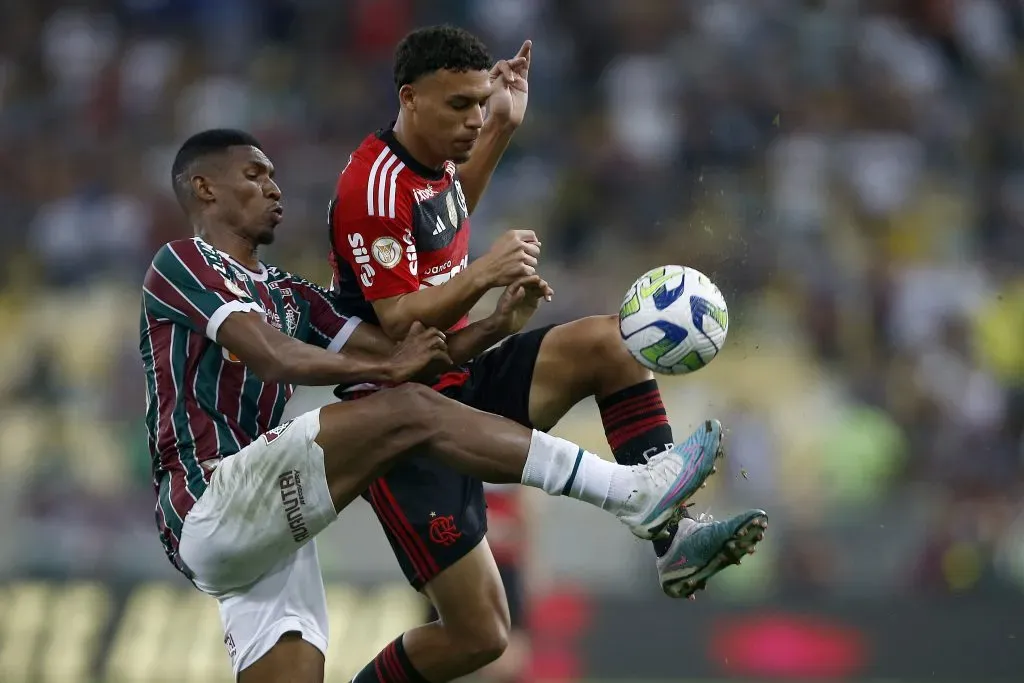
{"points": [[702, 548], [671, 478]]}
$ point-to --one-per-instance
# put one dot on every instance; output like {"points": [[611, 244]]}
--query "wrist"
{"points": [[480, 274]]}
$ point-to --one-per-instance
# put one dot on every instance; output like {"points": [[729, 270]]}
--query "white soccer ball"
{"points": [[674, 320]]}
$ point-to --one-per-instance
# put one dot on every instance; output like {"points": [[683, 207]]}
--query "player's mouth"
{"points": [[465, 143], [278, 212]]}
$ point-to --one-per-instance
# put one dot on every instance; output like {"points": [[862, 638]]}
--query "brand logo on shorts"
{"points": [[229, 643], [293, 500], [442, 529]]}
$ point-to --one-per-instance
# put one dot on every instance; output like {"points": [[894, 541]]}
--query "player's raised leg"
{"points": [[473, 629], [587, 358], [362, 439]]}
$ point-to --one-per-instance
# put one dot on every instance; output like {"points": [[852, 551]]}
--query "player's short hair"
{"points": [[433, 48], [200, 146]]}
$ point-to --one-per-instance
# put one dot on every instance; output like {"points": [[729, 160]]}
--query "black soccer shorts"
{"points": [[431, 514]]}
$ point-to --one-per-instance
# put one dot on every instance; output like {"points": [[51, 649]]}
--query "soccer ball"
{"points": [[674, 320]]}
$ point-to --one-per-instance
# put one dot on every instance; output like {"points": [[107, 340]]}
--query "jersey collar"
{"points": [[257, 277], [387, 135]]}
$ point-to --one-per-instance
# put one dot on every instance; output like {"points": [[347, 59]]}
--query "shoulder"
{"points": [[189, 259], [375, 183]]}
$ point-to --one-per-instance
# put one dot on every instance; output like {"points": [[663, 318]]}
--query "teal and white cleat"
{"points": [[671, 478], [703, 547]]}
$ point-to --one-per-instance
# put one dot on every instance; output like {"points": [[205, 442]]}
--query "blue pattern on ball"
{"points": [[700, 308], [665, 297]]}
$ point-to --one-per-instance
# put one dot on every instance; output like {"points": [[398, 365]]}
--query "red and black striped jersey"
{"points": [[202, 404], [396, 226]]}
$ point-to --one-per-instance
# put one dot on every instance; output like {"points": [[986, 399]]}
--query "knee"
{"points": [[604, 343], [486, 642], [416, 406]]}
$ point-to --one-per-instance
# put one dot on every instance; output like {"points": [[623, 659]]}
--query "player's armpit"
{"points": [[277, 358]]}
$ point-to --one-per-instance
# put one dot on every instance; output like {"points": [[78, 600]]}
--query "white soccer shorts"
{"points": [[248, 540]]}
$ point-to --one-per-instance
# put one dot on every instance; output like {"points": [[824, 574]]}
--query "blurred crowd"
{"points": [[850, 172]]}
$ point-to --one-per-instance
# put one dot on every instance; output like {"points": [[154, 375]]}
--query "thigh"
{"points": [[469, 595], [432, 516], [582, 358], [279, 623], [512, 580], [262, 504]]}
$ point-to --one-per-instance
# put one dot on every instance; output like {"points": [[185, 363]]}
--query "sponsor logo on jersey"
{"points": [[462, 198], [410, 252], [362, 259], [277, 431], [423, 195], [293, 501], [453, 213], [438, 275], [387, 251]]}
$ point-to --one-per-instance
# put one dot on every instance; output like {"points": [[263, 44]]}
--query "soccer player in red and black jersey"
{"points": [[241, 495], [400, 246]]}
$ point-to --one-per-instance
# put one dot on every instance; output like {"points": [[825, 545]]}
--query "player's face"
{"points": [[247, 196], [449, 111]]}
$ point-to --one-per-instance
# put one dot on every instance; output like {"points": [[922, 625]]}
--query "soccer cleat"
{"points": [[702, 548], [669, 479]]}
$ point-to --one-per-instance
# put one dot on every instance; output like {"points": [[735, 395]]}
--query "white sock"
{"points": [[561, 468]]}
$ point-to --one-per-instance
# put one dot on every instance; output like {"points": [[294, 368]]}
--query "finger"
{"points": [[438, 333], [516, 64], [531, 249], [529, 260], [530, 281], [526, 235], [506, 72], [526, 52], [416, 327]]}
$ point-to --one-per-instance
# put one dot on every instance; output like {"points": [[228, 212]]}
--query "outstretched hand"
{"points": [[520, 301], [510, 80]]}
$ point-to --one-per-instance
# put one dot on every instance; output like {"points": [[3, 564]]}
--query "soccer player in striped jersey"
{"points": [[240, 496], [400, 233]]}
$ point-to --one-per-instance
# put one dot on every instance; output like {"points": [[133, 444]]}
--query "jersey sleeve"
{"points": [[182, 286], [329, 328], [381, 253]]}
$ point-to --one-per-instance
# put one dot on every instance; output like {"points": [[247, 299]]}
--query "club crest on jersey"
{"points": [[386, 251], [235, 289]]}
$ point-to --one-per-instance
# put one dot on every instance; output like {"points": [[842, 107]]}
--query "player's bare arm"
{"points": [[514, 309], [506, 109], [277, 358], [512, 257]]}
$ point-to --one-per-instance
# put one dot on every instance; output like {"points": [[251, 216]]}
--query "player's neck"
{"points": [[416, 146], [237, 247]]}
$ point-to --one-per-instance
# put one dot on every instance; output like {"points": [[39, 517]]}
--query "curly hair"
{"points": [[430, 49]]}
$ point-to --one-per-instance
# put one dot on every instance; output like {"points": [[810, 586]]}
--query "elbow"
{"points": [[396, 328]]}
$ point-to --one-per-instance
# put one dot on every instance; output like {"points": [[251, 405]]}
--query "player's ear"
{"points": [[407, 97], [201, 188]]}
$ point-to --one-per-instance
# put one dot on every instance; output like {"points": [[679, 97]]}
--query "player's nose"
{"points": [[272, 191], [475, 120]]}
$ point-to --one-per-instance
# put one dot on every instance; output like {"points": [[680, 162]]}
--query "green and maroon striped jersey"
{"points": [[202, 404]]}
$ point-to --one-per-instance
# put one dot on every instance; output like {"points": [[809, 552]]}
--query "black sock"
{"points": [[636, 426], [391, 665]]}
